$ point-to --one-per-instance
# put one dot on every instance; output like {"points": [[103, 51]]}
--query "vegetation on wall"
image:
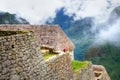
{"points": [[47, 52], [8, 33], [77, 65], [48, 55]]}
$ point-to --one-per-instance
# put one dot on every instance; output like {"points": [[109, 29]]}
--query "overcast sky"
{"points": [[37, 11]]}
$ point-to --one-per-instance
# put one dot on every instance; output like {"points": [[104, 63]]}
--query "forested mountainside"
{"points": [[108, 56]]}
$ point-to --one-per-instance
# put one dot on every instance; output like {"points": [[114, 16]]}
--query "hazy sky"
{"points": [[37, 11]]}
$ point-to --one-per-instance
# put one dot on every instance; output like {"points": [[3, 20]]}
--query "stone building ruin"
{"points": [[21, 57], [47, 36]]}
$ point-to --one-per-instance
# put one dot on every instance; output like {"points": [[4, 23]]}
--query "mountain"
{"points": [[81, 35], [115, 15], [7, 18], [108, 56]]}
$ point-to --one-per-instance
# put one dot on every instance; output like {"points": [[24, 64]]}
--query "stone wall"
{"points": [[60, 67], [85, 73], [21, 59], [50, 35], [47, 35], [100, 73]]}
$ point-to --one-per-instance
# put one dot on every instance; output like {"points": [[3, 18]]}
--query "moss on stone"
{"points": [[8, 33], [48, 55], [77, 65]]}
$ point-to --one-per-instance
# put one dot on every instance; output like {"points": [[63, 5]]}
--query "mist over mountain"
{"points": [[7, 18], [106, 48], [115, 15], [80, 33], [109, 31]]}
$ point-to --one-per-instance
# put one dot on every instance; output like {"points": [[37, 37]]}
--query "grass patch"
{"points": [[77, 65], [48, 55], [8, 33]]}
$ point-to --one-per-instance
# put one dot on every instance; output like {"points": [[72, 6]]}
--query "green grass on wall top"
{"points": [[77, 65]]}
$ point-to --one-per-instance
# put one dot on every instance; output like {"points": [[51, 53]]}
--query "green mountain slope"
{"points": [[7, 18], [81, 35], [107, 55]]}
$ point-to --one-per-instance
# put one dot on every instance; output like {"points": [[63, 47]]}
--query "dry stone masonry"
{"points": [[50, 35], [47, 35], [60, 67], [21, 58]]}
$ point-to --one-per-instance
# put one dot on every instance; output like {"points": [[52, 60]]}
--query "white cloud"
{"points": [[86, 7], [37, 11], [90, 8], [111, 34]]}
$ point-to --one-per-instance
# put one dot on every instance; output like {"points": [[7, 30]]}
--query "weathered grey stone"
{"points": [[19, 58], [15, 77]]}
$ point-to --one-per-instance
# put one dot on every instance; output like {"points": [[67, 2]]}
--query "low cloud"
{"points": [[111, 34], [38, 11], [35, 11], [109, 31]]}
